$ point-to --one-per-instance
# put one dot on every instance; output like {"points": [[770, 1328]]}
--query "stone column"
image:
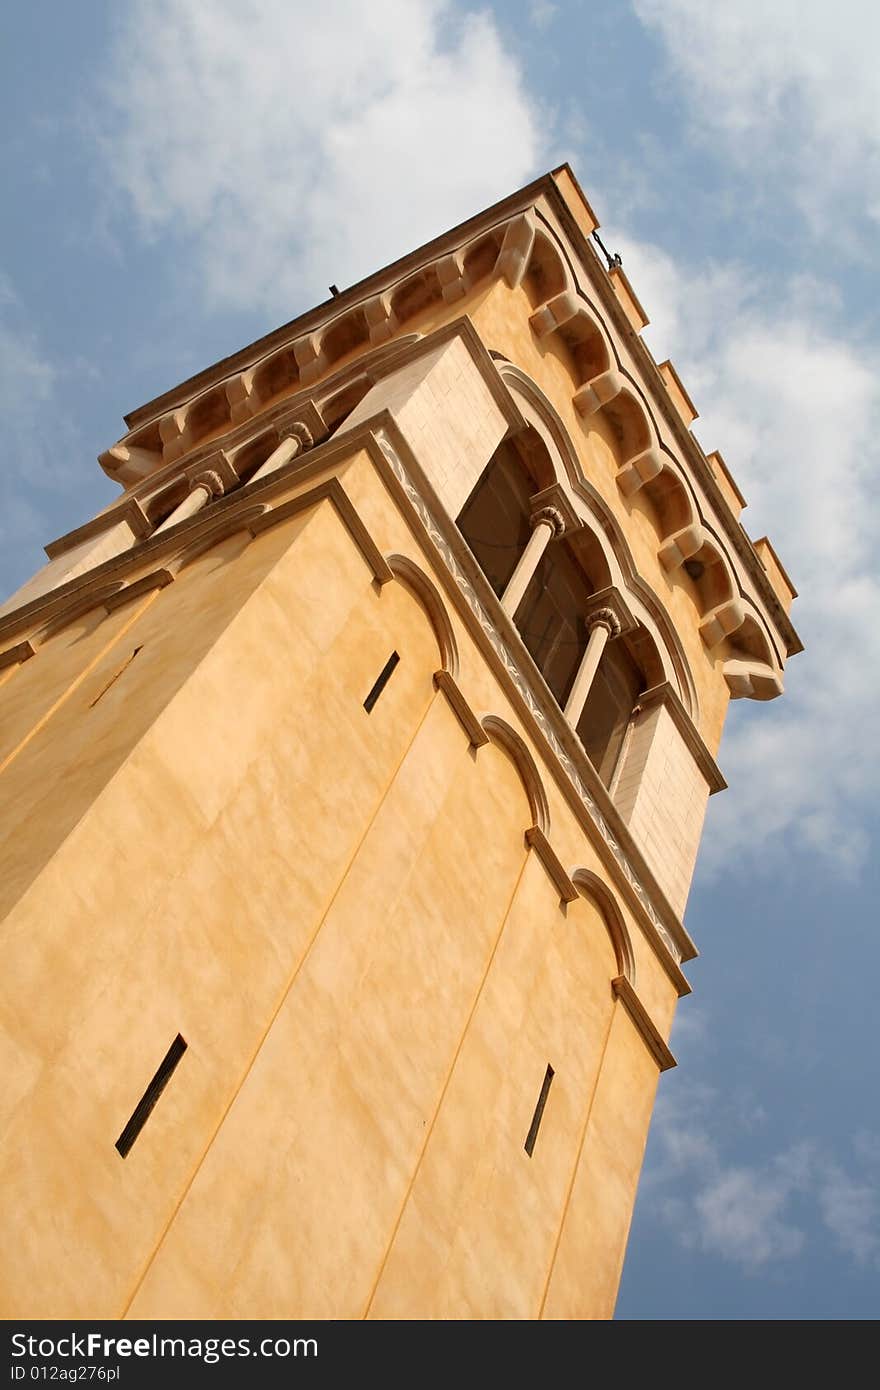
{"points": [[295, 439], [602, 625], [546, 523], [204, 488]]}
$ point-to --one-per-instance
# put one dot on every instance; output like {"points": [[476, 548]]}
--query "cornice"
{"points": [[574, 217]]}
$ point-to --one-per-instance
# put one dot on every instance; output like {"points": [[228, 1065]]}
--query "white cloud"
{"points": [[850, 1210], [542, 13], [742, 1216], [752, 1214], [794, 407], [297, 145], [791, 88], [41, 447]]}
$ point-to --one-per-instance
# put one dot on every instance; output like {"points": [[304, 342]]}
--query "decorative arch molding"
{"points": [[590, 886], [510, 742], [428, 597], [604, 528]]}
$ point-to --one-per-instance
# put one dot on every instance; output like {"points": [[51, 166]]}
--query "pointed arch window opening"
{"points": [[552, 608]]}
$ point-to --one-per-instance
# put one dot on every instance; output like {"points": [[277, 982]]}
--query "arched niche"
{"points": [[590, 886], [423, 590], [510, 742]]}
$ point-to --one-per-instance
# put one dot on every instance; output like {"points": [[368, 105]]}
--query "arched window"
{"points": [[554, 614], [495, 519]]}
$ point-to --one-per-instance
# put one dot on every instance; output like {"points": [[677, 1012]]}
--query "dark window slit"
{"points": [[539, 1111], [381, 681], [115, 677], [142, 1110]]}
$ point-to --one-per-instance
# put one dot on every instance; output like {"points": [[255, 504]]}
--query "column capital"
{"points": [[604, 617], [607, 608], [210, 481], [555, 500], [296, 429], [215, 472], [551, 516]]}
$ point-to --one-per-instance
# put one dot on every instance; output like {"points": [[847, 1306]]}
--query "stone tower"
{"points": [[354, 763]]}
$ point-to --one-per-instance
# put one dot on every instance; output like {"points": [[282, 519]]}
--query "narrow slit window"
{"points": [[539, 1111], [141, 1112], [115, 677], [381, 681]]}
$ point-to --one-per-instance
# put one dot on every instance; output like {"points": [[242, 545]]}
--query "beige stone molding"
{"points": [[537, 840], [776, 572], [516, 748], [555, 500], [604, 617], [628, 298], [210, 482], [330, 491], [216, 472], [78, 603], [679, 396], [516, 248], [446, 683], [751, 680], [727, 483], [423, 590], [128, 510], [14, 656], [552, 517], [598, 391], [156, 579], [610, 607], [720, 622], [653, 1039], [667, 696], [596, 891]]}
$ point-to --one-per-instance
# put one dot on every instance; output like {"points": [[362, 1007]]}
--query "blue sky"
{"points": [[182, 176]]}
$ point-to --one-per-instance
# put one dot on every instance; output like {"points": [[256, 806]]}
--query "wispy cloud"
{"points": [[791, 90], [759, 1213], [794, 405], [40, 439], [542, 13], [292, 145]]}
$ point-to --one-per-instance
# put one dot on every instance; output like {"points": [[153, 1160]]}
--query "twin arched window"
{"points": [[552, 615]]}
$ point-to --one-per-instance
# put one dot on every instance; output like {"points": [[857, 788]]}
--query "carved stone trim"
{"points": [[14, 656], [446, 683], [210, 481], [296, 430], [604, 617], [157, 579], [553, 498], [130, 511], [552, 517], [537, 840], [654, 1041], [215, 471]]}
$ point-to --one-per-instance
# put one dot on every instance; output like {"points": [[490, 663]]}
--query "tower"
{"points": [[353, 765]]}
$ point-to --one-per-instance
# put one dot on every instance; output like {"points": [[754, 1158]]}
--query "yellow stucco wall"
{"points": [[339, 914]]}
